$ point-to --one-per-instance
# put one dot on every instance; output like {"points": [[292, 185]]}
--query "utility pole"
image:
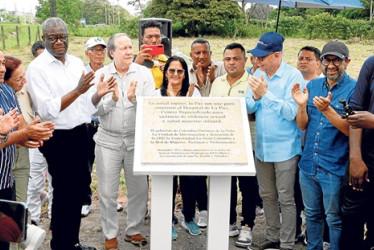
{"points": [[106, 14], [52, 9], [119, 22], [113, 14]]}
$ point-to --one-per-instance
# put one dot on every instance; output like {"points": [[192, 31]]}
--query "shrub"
{"points": [[362, 29], [319, 26], [91, 31], [251, 30], [291, 26], [179, 29], [131, 27], [327, 26]]}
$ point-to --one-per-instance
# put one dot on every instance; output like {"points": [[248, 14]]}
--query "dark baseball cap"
{"points": [[268, 43], [335, 48]]}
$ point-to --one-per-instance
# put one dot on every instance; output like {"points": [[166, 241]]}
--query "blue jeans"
{"points": [[322, 193]]}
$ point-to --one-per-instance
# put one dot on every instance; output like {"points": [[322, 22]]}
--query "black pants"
{"points": [[202, 193], [190, 188], [358, 209], [67, 157], [249, 188], [175, 188], [91, 130], [6, 194]]}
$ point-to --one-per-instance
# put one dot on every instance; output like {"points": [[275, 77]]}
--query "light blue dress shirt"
{"points": [[278, 137]]}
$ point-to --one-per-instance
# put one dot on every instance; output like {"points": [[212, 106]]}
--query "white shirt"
{"points": [[117, 119], [48, 80]]}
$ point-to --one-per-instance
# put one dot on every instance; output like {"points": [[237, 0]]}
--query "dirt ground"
{"points": [[91, 232]]}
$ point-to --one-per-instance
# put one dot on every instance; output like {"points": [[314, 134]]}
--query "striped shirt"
{"points": [[8, 101]]}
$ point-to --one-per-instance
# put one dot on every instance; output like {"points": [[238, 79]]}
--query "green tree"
{"points": [[95, 11], [357, 13], [8, 16], [100, 11], [194, 14], [138, 4], [218, 13], [68, 10]]}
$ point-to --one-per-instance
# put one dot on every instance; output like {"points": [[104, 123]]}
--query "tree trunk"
{"points": [[52, 8], [243, 11], [194, 30]]}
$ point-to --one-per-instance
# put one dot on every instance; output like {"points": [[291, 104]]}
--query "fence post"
{"points": [[37, 34], [3, 36], [17, 34], [29, 28]]}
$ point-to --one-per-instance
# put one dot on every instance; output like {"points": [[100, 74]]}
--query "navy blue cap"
{"points": [[268, 43]]}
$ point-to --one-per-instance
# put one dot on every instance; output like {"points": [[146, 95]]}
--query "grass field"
{"points": [[359, 50]]}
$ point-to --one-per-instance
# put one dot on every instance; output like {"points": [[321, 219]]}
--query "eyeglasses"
{"points": [[62, 38], [336, 61], [98, 51], [262, 58], [179, 71]]}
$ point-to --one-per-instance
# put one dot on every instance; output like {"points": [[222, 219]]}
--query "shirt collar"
{"points": [[279, 73], [112, 69], [339, 83], [51, 58], [342, 80], [89, 68], [281, 69], [244, 78], [22, 91]]}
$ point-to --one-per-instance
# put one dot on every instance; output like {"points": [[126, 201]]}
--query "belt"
{"points": [[94, 123]]}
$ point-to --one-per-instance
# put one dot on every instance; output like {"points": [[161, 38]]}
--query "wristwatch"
{"points": [[4, 138], [133, 100]]}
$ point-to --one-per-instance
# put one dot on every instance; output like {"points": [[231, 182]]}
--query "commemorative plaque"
{"points": [[193, 131]]}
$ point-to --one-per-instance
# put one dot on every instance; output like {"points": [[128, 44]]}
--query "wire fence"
{"points": [[17, 36]]}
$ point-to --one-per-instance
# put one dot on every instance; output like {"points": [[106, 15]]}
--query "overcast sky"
{"points": [[29, 5]]}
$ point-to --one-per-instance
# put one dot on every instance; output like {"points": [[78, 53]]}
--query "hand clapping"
{"points": [[259, 87]]}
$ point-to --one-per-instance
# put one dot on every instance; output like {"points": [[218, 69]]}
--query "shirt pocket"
{"points": [[337, 106], [311, 109], [140, 88]]}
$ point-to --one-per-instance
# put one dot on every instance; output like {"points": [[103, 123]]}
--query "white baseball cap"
{"points": [[94, 41]]}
